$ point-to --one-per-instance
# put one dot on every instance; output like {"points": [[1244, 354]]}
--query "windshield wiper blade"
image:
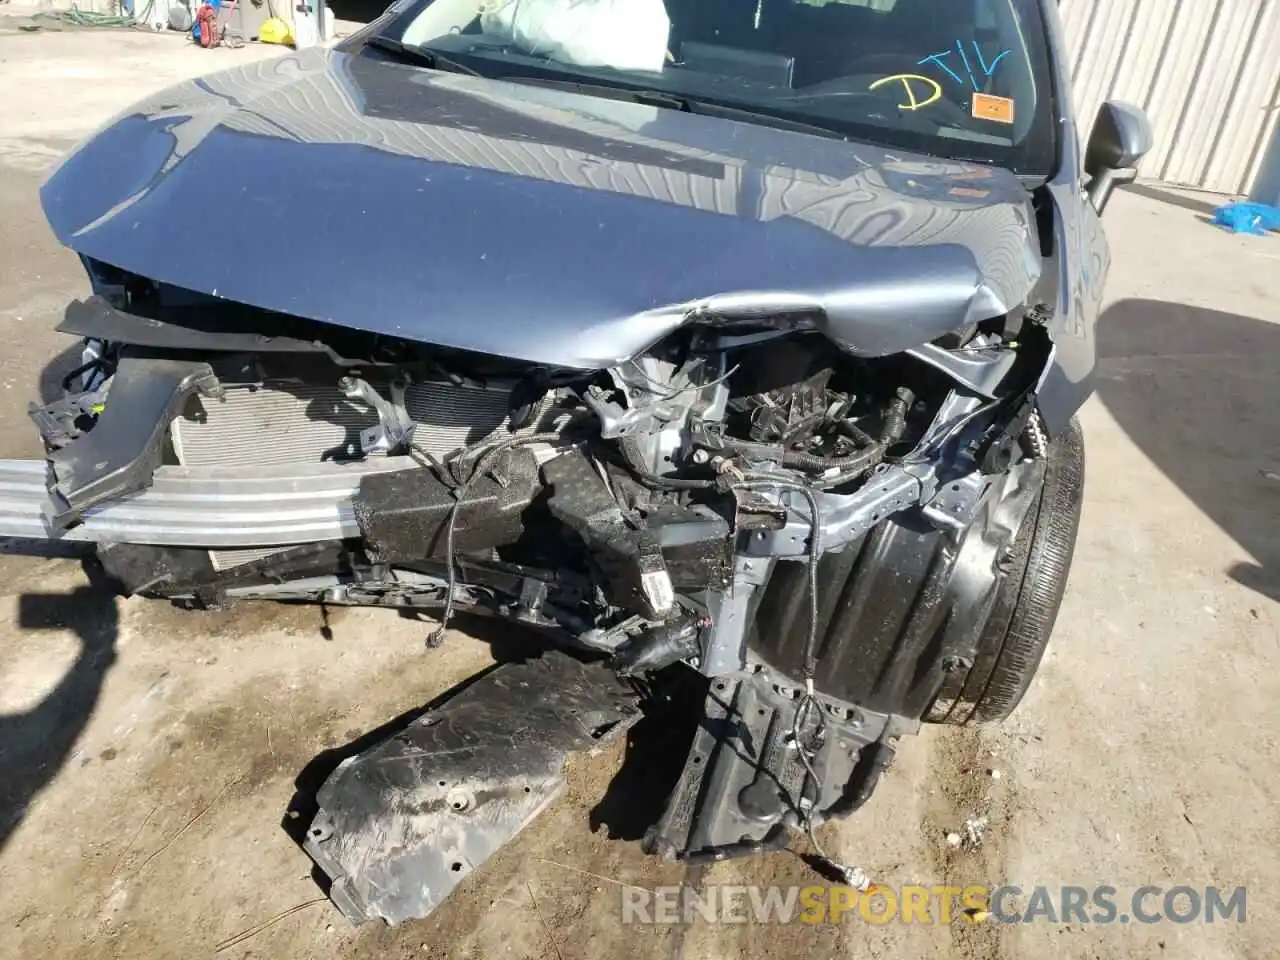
{"points": [[408, 53], [676, 101], [764, 118]]}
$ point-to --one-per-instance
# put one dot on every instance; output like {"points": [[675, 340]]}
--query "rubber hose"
{"points": [[895, 420], [895, 425], [860, 461]]}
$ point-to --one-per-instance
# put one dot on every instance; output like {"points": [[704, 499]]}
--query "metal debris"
{"points": [[975, 829]]}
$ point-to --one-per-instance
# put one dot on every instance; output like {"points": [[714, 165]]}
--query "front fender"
{"points": [[1083, 262]]}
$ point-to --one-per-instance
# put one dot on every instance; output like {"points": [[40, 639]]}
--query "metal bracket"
{"points": [[725, 645], [954, 505], [394, 431]]}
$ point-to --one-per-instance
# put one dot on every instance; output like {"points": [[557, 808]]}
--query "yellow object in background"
{"points": [[275, 30]]}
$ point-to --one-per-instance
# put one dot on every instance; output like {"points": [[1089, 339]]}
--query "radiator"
{"points": [[287, 422]]}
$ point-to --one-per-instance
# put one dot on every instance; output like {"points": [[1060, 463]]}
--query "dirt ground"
{"points": [[148, 756]]}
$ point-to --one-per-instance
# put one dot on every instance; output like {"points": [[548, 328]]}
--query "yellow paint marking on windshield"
{"points": [[909, 81]]}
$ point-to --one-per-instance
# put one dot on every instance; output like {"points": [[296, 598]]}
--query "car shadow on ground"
{"points": [[35, 744], [656, 750], [1202, 203], [1198, 391]]}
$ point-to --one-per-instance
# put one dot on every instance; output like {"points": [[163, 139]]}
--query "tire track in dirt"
{"points": [[693, 878], [963, 759]]}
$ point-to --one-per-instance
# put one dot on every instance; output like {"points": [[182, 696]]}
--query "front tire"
{"points": [[1017, 633]]}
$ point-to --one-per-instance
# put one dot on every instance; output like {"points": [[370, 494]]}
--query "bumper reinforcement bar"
{"points": [[213, 507]]}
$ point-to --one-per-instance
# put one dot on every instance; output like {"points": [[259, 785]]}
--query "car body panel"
{"points": [[1082, 258], [531, 223]]}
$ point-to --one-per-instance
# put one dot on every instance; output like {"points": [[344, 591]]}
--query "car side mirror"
{"points": [[1121, 138]]}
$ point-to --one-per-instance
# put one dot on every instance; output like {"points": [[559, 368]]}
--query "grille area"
{"points": [[287, 422], [226, 559], [291, 423]]}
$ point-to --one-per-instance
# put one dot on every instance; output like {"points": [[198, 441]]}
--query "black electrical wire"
{"points": [[851, 466], [809, 699], [80, 371], [864, 461], [484, 455], [633, 461], [672, 483], [895, 418], [922, 456], [427, 458], [855, 433]]}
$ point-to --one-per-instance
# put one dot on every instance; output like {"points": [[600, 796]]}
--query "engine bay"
{"points": [[744, 500]]}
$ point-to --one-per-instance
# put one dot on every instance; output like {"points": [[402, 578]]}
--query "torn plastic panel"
{"points": [[744, 783], [404, 822], [119, 455]]}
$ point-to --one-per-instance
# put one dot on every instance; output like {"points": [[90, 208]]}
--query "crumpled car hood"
{"points": [[530, 223]]}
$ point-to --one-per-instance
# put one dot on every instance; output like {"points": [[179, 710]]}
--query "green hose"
{"points": [[87, 18]]}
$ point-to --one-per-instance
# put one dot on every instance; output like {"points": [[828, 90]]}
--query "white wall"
{"points": [[1207, 71]]}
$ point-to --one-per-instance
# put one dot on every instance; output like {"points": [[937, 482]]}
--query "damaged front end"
{"points": [[831, 540]]}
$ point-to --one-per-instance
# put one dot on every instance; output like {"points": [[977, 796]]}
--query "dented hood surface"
{"points": [[532, 223]]}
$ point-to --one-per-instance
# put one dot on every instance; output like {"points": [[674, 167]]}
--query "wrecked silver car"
{"points": [[739, 339]]}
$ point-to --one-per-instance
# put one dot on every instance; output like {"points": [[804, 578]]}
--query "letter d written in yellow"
{"points": [[911, 84]]}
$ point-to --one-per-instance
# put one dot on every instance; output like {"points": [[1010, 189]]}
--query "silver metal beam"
{"points": [[214, 507]]}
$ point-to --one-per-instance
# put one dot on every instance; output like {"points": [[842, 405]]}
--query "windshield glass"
{"points": [[964, 79]]}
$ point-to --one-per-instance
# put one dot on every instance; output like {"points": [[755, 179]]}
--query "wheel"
{"points": [[1013, 642]]}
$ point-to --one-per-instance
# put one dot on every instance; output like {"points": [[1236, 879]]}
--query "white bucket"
{"points": [[306, 24]]}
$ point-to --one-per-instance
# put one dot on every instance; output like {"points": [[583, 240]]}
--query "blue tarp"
{"points": [[1255, 218]]}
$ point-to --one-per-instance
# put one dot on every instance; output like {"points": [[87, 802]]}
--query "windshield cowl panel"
{"points": [[961, 79]]}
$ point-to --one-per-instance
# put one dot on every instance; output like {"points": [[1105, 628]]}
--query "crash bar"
{"points": [[211, 507]]}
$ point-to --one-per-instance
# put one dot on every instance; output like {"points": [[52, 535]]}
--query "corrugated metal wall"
{"points": [[1207, 71]]}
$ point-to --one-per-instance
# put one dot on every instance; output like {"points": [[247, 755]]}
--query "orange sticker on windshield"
{"points": [[987, 107]]}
